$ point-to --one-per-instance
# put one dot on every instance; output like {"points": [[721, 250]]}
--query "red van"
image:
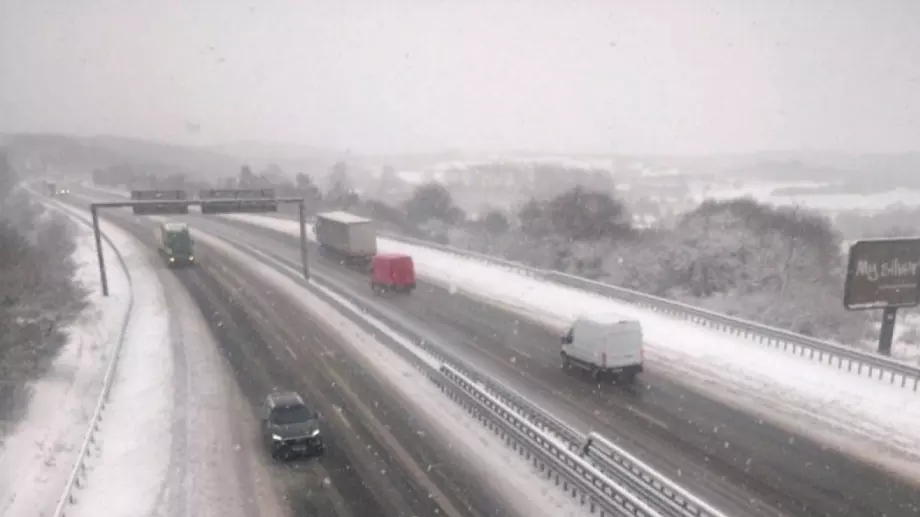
{"points": [[392, 272]]}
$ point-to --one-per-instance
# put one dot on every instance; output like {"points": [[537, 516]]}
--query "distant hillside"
{"points": [[54, 153], [788, 170], [72, 155], [878, 171], [196, 160], [291, 158], [63, 154]]}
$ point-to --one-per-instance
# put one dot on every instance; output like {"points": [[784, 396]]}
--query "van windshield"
{"points": [[178, 241]]}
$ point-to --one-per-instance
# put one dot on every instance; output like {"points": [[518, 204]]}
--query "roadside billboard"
{"points": [[883, 273]]}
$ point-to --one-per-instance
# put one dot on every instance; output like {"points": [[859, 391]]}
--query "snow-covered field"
{"points": [[511, 475], [870, 419], [763, 191], [37, 457]]}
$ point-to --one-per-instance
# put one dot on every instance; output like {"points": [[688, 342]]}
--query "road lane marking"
{"points": [[647, 417], [521, 352]]}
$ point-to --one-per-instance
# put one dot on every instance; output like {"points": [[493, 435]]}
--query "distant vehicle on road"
{"points": [[289, 427], [175, 244], [604, 344], [346, 237], [392, 272], [53, 189]]}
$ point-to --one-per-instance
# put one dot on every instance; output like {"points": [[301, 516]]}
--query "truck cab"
{"points": [[392, 272], [604, 344], [174, 242]]}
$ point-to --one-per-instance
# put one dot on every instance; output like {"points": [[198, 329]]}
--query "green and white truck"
{"points": [[175, 244]]}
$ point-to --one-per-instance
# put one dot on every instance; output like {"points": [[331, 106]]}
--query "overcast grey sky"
{"points": [[663, 76]]}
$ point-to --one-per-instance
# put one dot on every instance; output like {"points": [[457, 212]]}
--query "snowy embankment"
{"points": [[528, 490], [868, 418], [107, 190], [177, 435], [36, 459], [130, 455]]}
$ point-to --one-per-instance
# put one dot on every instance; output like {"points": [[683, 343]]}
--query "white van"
{"points": [[604, 343]]}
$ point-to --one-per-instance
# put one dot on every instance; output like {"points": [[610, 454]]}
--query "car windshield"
{"points": [[291, 415]]}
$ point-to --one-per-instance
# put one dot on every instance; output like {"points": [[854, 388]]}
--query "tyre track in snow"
{"points": [[365, 412], [173, 500], [184, 495], [300, 485]]}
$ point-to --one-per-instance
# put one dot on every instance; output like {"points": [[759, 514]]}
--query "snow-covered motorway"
{"points": [[171, 414], [398, 447], [685, 418]]}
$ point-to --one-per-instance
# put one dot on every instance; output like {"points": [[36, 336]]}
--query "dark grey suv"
{"points": [[289, 427]]}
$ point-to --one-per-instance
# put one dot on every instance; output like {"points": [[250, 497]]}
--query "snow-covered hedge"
{"points": [[38, 295], [778, 266]]}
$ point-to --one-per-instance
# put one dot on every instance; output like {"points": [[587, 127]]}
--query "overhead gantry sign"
{"points": [[176, 202]]}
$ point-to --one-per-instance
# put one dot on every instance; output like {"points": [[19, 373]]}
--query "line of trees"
{"points": [[782, 266], [777, 265]]}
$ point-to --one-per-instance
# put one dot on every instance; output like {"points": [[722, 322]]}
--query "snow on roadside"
{"points": [[127, 471], [507, 471], [832, 405], [37, 457], [906, 342], [107, 190]]}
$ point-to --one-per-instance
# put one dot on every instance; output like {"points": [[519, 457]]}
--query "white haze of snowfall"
{"points": [[654, 76]]}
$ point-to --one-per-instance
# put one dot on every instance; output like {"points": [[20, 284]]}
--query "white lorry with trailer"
{"points": [[346, 237], [604, 344]]}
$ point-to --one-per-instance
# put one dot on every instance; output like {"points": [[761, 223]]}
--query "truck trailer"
{"points": [[346, 237], [175, 244]]}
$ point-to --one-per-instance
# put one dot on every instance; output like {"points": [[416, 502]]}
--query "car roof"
{"points": [[285, 398]]}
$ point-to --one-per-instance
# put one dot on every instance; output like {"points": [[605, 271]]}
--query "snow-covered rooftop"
{"points": [[343, 217]]}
